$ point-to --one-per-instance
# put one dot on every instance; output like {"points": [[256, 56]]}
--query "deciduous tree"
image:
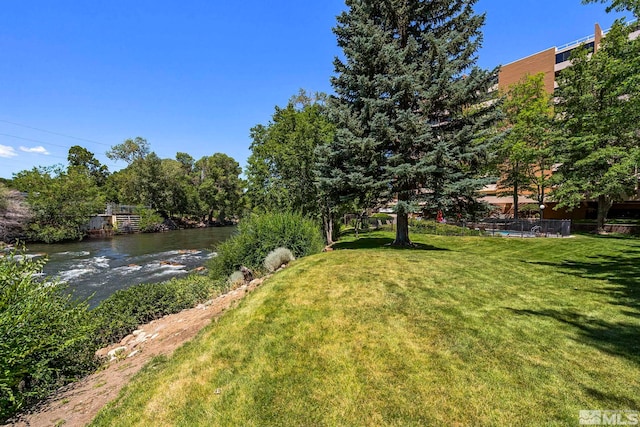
{"points": [[130, 150], [599, 103], [61, 202], [525, 154], [281, 170], [219, 185], [85, 161], [632, 6]]}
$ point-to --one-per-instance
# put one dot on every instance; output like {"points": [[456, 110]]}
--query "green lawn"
{"points": [[459, 331]]}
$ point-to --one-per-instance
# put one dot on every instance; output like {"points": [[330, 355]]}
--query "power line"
{"points": [[34, 140], [55, 133], [48, 143]]}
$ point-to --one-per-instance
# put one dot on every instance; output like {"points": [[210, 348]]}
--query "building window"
{"points": [[566, 55]]}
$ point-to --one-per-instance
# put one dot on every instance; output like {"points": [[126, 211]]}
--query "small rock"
{"points": [[139, 340], [137, 332], [133, 353], [113, 354], [256, 282], [126, 340]]}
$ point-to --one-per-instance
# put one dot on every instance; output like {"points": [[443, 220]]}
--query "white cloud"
{"points": [[38, 150], [6, 151]]}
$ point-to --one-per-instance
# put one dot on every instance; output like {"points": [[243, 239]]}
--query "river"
{"points": [[97, 268]]}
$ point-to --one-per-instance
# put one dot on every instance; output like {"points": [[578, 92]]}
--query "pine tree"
{"points": [[410, 107]]}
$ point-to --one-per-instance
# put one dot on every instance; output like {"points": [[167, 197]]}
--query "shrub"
{"points": [[46, 335], [236, 278], [381, 217], [150, 220], [48, 339], [122, 312], [260, 234], [433, 227], [276, 258]]}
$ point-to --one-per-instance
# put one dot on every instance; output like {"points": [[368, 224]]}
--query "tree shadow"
{"points": [[616, 338], [614, 236], [622, 288], [622, 271], [383, 243], [614, 399]]}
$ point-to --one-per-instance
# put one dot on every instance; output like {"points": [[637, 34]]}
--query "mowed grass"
{"points": [[458, 331]]}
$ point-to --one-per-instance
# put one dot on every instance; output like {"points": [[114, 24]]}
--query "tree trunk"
{"points": [[515, 193], [604, 204], [402, 230], [541, 186], [327, 226]]}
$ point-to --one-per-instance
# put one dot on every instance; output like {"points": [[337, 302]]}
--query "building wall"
{"points": [[543, 62]]}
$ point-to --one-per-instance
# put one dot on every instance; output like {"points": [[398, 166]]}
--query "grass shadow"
{"points": [[383, 243]]}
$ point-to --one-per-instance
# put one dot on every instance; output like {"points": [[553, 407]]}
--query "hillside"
{"points": [[462, 331]]}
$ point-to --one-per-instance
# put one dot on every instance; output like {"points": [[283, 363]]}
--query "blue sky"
{"points": [[195, 75]]}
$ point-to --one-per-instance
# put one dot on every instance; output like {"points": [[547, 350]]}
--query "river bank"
{"points": [[78, 403]]}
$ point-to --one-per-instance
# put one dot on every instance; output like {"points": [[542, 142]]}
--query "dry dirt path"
{"points": [[77, 404]]}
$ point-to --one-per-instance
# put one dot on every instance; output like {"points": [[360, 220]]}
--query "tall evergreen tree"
{"points": [[410, 107]]}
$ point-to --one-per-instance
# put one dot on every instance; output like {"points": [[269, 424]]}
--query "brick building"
{"points": [[550, 62]]}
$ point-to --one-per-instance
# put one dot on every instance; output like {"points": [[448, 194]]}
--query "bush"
{"points": [[54, 233], [381, 217], [48, 339], [150, 220], [276, 258], [259, 235], [433, 227], [236, 279], [46, 335], [122, 312]]}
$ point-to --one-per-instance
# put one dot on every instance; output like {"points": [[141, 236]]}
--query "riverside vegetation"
{"points": [[50, 339]]}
